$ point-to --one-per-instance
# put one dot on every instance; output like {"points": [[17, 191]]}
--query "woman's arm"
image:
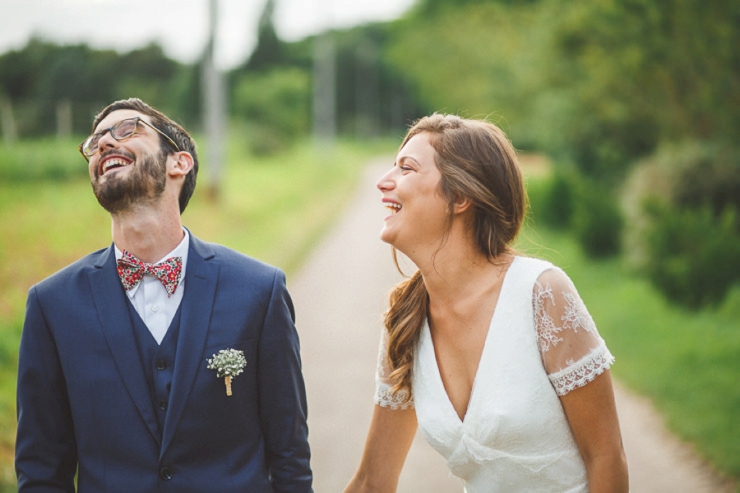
{"points": [[577, 362], [387, 444], [592, 415]]}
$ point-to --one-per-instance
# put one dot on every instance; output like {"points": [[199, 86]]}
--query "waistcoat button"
{"points": [[165, 473]]}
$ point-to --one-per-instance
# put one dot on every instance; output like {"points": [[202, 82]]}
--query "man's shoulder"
{"points": [[235, 260], [74, 271]]}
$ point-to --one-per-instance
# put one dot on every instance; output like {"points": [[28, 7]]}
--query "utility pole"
{"points": [[7, 122], [324, 106], [214, 105]]}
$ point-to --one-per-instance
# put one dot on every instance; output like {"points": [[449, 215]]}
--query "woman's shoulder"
{"points": [[534, 266]]}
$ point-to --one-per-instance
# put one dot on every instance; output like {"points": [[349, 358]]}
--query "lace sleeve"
{"points": [[383, 395], [572, 350]]}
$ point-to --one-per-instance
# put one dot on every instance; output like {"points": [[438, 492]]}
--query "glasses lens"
{"points": [[90, 146], [124, 128]]}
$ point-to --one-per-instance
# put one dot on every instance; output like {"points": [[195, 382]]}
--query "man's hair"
{"points": [[169, 127]]}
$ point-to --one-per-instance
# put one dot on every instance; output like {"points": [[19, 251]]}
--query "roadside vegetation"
{"points": [[684, 359]]}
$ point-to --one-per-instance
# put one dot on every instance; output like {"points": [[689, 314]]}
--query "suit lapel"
{"points": [[111, 305], [197, 303]]}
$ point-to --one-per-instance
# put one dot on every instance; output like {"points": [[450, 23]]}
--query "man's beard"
{"points": [[145, 183]]}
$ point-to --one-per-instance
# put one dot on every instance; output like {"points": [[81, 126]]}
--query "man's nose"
{"points": [[106, 141]]}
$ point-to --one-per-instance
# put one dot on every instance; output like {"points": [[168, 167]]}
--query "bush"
{"points": [[693, 255], [45, 159], [277, 102], [556, 205], [597, 221], [682, 205]]}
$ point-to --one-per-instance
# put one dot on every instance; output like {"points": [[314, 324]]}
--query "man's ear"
{"points": [[180, 163]]}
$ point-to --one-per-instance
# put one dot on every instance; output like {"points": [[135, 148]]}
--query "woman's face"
{"points": [[418, 211]]}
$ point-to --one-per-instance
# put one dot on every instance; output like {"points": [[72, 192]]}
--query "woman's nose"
{"points": [[386, 182]]}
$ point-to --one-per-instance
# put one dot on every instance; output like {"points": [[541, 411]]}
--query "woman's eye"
{"points": [[405, 168]]}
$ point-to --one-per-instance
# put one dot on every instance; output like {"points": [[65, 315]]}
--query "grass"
{"points": [[687, 362], [272, 208]]}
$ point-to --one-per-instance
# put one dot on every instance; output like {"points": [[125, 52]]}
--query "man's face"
{"points": [[127, 172]]}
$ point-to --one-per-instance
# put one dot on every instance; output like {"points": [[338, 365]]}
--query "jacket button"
{"points": [[165, 473], [161, 364]]}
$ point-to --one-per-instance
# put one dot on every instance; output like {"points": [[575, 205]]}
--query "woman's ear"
{"points": [[461, 205]]}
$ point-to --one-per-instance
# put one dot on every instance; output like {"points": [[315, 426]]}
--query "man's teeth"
{"points": [[393, 207], [114, 163]]}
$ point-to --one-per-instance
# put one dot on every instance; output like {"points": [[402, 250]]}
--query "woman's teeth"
{"points": [[393, 207]]}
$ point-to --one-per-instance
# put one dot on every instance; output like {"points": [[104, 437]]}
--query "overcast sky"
{"points": [[179, 25]]}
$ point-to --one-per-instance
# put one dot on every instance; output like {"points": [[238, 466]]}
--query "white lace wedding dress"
{"points": [[541, 344]]}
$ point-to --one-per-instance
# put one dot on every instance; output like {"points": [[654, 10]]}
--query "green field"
{"points": [[688, 363]]}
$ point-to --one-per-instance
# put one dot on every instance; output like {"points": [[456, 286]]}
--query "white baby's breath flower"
{"points": [[228, 363]]}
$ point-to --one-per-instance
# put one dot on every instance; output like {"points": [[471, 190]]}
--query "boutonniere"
{"points": [[228, 363]]}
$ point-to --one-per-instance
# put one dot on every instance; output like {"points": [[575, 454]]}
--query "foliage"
{"points": [[597, 221], [565, 201], [597, 83], [682, 205], [693, 256], [41, 160], [489, 65], [557, 203], [663, 351], [372, 97], [276, 104], [41, 74], [269, 51]]}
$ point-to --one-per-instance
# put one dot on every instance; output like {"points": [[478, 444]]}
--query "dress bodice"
{"points": [[514, 435]]}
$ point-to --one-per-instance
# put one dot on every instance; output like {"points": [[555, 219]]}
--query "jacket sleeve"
{"points": [[45, 451], [282, 392]]}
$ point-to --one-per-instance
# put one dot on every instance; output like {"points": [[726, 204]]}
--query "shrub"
{"points": [[597, 221], [684, 227], [556, 205], [693, 255], [45, 159], [278, 103]]}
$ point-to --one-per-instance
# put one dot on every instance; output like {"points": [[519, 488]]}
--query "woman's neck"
{"points": [[457, 271]]}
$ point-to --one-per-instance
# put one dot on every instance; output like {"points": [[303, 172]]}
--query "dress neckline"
{"points": [[438, 382]]}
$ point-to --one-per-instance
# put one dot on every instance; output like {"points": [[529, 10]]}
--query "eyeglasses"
{"points": [[122, 130]]}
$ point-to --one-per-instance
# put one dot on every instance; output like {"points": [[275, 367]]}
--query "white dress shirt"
{"points": [[150, 299]]}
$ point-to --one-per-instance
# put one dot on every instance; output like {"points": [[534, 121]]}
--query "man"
{"points": [[120, 378]]}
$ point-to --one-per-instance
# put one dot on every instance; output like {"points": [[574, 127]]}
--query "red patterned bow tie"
{"points": [[131, 270]]}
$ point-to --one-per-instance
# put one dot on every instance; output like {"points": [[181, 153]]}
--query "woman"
{"points": [[494, 354]]}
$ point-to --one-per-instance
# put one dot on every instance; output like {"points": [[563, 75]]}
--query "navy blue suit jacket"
{"points": [[84, 401]]}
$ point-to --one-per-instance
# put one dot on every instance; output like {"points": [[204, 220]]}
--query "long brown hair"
{"points": [[476, 162]]}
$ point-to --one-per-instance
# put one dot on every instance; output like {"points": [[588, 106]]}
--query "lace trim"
{"points": [[575, 316], [583, 371], [398, 400]]}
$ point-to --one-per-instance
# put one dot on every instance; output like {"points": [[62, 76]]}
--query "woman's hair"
{"points": [[478, 163]]}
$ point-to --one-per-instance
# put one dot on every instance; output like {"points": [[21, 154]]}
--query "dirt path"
{"points": [[340, 294]]}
